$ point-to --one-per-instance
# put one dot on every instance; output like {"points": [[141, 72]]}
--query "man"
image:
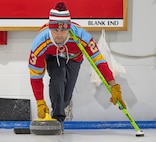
{"points": [[55, 50]]}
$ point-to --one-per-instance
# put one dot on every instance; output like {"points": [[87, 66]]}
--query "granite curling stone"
{"points": [[46, 126]]}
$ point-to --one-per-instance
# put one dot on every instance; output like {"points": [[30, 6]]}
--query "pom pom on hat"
{"points": [[59, 17], [61, 6]]}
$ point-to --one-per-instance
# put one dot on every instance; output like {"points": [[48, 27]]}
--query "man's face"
{"points": [[60, 35]]}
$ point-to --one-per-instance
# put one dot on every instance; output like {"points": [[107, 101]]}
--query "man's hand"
{"points": [[42, 108], [116, 95]]}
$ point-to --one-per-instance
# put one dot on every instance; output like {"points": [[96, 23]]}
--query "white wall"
{"points": [[90, 103]]}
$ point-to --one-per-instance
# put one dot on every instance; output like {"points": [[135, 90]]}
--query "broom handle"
{"points": [[103, 80]]}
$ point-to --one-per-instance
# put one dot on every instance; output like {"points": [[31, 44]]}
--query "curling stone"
{"points": [[45, 126]]}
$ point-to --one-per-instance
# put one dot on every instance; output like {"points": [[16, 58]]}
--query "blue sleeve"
{"points": [[81, 33], [40, 39]]}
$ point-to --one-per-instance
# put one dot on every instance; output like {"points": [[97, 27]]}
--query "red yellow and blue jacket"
{"points": [[43, 45]]}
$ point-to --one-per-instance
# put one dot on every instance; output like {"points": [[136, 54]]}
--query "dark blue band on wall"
{"points": [[85, 124]]}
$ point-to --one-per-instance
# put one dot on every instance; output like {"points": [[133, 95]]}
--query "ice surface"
{"points": [[106, 135]]}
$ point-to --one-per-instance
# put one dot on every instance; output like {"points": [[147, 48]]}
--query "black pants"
{"points": [[61, 85]]}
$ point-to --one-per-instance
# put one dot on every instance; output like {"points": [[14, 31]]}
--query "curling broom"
{"points": [[138, 131]]}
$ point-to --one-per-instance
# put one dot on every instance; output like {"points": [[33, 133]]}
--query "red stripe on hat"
{"points": [[59, 26]]}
